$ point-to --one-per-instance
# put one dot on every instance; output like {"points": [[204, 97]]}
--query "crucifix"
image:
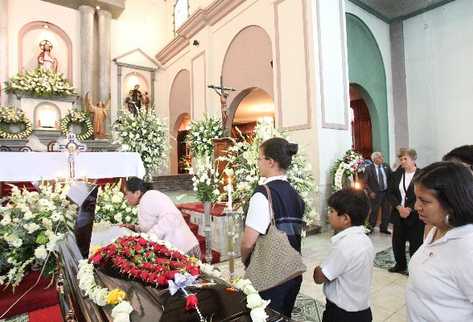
{"points": [[72, 146], [223, 92]]}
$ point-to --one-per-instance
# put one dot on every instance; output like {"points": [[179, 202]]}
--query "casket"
{"points": [[217, 300]]}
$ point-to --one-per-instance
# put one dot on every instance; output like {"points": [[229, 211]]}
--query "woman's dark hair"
{"points": [[280, 150], [352, 202], [463, 154], [134, 184], [452, 185]]}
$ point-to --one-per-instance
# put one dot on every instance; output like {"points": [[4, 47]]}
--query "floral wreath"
{"points": [[80, 118], [351, 163], [12, 115], [189, 266]]}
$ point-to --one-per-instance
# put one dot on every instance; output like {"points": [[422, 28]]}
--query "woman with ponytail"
{"points": [[275, 157]]}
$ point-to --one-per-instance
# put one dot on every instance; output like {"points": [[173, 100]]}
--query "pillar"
{"points": [[3, 50], [86, 49]]}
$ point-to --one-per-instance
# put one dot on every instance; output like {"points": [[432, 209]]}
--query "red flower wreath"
{"points": [[144, 260]]}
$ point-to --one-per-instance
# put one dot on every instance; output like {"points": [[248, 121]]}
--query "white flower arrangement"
{"points": [[32, 224], [80, 118], [113, 208], [344, 168], [201, 135], [206, 179], [40, 82], [12, 115], [146, 134], [243, 158]]}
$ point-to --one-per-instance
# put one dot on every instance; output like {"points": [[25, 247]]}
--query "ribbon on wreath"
{"points": [[180, 282]]}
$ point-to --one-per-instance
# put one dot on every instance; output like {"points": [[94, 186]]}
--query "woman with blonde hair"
{"points": [[406, 223]]}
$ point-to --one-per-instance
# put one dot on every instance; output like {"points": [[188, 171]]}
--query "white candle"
{"points": [[229, 193]]}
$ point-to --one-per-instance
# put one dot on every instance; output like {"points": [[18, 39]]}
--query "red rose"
{"points": [[162, 280], [97, 258], [191, 302], [138, 248], [142, 241], [170, 275], [193, 270], [145, 275], [175, 264], [148, 266]]}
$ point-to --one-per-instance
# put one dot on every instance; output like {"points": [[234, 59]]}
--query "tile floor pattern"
{"points": [[387, 290]]}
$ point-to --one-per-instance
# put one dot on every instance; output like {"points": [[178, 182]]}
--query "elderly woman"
{"points": [[440, 285], [406, 223], [157, 214]]}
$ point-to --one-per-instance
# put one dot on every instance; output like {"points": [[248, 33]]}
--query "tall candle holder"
{"points": [[233, 231]]}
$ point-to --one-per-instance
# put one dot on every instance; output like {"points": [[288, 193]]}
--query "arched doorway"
{"points": [[360, 122], [183, 153], [179, 114], [366, 69], [256, 105], [248, 64]]}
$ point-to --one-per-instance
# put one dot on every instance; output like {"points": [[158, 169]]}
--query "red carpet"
{"points": [[36, 299], [47, 314]]}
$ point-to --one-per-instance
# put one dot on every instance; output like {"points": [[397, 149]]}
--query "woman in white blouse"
{"points": [[157, 214], [440, 285]]}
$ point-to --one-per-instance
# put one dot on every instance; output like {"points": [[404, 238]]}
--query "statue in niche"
{"points": [[136, 96], [45, 59], [99, 113], [146, 100], [130, 104]]}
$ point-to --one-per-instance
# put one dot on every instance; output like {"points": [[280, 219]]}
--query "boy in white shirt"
{"points": [[347, 271]]}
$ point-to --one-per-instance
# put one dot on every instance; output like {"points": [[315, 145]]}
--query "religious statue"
{"points": [[146, 100], [135, 100], [223, 92], [99, 112], [45, 58]]}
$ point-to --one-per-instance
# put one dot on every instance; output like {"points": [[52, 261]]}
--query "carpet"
{"points": [[50, 314], [385, 258], [307, 309]]}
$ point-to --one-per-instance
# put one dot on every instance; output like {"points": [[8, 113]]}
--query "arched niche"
{"points": [[179, 107], [46, 116], [257, 105], [29, 37], [134, 78], [248, 64], [366, 70]]}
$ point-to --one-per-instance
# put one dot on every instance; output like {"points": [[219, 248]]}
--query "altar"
{"points": [[37, 166]]}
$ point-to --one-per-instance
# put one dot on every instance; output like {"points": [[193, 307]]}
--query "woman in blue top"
{"points": [[275, 157]]}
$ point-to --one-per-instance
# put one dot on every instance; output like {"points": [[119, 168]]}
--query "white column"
{"points": [[86, 49], [104, 26], [3, 49]]}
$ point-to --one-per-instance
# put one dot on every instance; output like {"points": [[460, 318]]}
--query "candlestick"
{"points": [[229, 193]]}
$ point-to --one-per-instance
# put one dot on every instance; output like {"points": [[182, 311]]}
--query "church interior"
{"points": [[184, 96]]}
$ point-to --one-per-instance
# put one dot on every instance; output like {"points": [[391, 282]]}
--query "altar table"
{"points": [[37, 166]]}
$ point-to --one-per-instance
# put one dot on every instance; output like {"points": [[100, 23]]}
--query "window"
{"points": [[181, 13]]}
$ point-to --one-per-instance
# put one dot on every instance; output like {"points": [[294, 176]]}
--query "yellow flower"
{"points": [[115, 296], [93, 249]]}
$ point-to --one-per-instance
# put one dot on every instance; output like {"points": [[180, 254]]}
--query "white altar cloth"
{"points": [[36, 166]]}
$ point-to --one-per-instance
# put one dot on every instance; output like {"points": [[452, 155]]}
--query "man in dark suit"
{"points": [[378, 176]]}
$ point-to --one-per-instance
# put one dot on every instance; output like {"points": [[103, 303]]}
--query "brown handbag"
{"points": [[273, 260]]}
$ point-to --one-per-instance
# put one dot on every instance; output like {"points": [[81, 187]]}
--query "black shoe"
{"points": [[397, 269], [385, 231]]}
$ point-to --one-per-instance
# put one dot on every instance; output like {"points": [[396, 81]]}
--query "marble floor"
{"points": [[387, 290]]}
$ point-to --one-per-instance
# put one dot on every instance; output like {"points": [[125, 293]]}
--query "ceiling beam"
{"points": [[421, 11], [388, 20]]}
